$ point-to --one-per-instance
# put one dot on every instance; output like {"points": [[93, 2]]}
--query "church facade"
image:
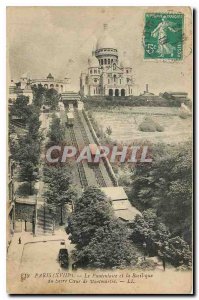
{"points": [[107, 75]]}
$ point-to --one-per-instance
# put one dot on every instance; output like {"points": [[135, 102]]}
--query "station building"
{"points": [[121, 205], [107, 75]]}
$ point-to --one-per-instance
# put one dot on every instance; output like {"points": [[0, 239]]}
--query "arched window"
{"points": [[95, 71], [114, 78], [110, 92], [101, 61], [109, 61], [122, 92], [105, 61], [116, 92]]}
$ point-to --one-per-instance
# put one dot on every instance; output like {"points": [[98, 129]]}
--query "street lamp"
{"points": [[145, 251]]}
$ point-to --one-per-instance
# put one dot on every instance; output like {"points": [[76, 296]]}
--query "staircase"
{"points": [[18, 123], [44, 223]]}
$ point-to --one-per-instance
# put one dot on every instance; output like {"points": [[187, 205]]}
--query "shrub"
{"points": [[148, 125], [24, 190], [147, 264], [159, 128], [184, 114], [184, 268]]}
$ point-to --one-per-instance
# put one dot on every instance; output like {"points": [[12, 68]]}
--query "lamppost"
{"points": [[145, 251], [33, 222], [20, 218]]}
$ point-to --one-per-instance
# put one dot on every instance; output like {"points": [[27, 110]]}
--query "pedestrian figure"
{"points": [[19, 240], [74, 266]]}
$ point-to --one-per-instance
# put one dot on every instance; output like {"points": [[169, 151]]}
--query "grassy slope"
{"points": [[124, 122]]}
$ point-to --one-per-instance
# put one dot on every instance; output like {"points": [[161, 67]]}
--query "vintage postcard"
{"points": [[99, 152]]}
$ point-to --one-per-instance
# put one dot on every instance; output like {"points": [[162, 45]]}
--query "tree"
{"points": [[56, 132], [108, 248], [52, 98], [27, 150], [33, 125], [91, 211], [27, 173], [39, 95], [166, 185], [175, 205], [177, 252], [147, 229], [108, 130], [21, 109], [60, 190], [44, 96]]}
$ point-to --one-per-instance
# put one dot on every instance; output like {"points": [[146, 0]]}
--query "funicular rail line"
{"points": [[80, 167], [96, 168]]}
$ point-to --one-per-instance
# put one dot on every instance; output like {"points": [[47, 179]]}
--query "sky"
{"points": [[60, 40]]}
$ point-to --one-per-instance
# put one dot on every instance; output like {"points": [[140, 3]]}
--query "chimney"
{"points": [[147, 88]]}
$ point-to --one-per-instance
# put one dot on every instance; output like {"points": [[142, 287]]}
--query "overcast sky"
{"points": [[60, 39]]}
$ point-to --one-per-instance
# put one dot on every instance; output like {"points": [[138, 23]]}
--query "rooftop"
{"points": [[121, 205], [115, 193]]}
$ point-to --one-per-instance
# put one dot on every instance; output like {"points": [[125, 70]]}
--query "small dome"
{"points": [[125, 63], [93, 61], [50, 76], [105, 40]]}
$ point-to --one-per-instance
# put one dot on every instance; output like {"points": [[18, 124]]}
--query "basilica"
{"points": [[107, 75]]}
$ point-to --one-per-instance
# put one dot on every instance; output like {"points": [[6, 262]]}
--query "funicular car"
{"points": [[69, 119], [94, 150], [63, 258]]}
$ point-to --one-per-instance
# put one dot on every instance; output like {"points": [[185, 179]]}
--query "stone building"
{"points": [[20, 88], [107, 74], [61, 85], [24, 86]]}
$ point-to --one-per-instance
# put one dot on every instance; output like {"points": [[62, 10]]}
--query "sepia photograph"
{"points": [[99, 150]]}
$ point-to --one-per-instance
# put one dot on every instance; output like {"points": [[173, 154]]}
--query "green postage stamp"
{"points": [[163, 36]]}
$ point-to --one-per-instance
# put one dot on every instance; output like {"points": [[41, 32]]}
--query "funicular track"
{"points": [[96, 168], [80, 167]]}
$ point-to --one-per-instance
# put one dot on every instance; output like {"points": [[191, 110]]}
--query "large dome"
{"points": [[105, 40]]}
